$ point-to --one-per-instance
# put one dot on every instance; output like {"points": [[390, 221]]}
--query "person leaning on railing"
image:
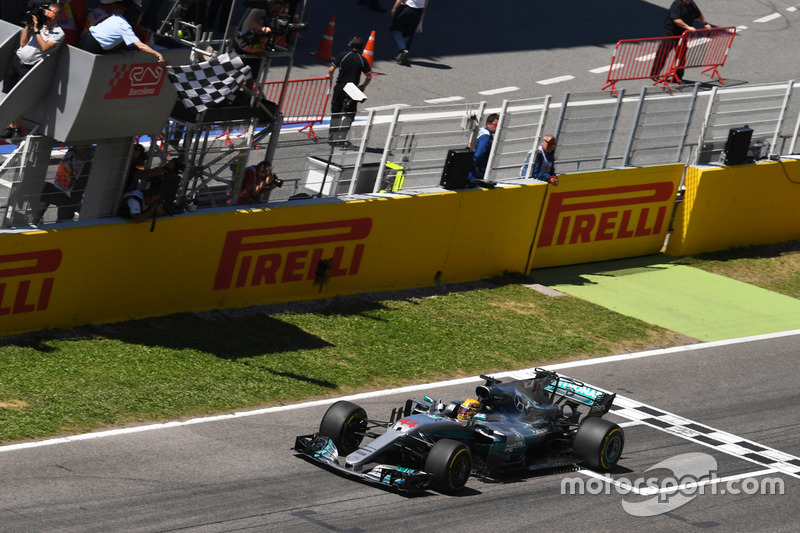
{"points": [[112, 32]]}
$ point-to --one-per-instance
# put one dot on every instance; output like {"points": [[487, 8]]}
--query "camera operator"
{"points": [[254, 32], [38, 40], [258, 179]]}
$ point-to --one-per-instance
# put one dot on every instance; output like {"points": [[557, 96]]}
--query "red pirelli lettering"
{"points": [[613, 215], [241, 261], [28, 294]]}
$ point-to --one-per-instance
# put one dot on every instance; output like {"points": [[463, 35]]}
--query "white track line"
{"points": [[499, 91], [768, 18], [389, 392], [444, 100], [556, 80]]}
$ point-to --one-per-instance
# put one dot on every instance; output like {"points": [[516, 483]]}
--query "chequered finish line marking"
{"points": [[695, 432], [707, 436]]}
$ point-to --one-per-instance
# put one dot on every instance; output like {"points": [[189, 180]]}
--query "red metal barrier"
{"points": [[660, 58], [706, 48], [304, 101], [639, 59]]}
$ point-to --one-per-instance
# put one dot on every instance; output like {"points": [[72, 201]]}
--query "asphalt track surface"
{"points": [[733, 401], [237, 473]]}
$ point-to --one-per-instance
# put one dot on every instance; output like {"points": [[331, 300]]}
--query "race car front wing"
{"points": [[321, 450]]}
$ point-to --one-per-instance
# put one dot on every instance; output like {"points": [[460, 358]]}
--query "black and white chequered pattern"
{"points": [[695, 432], [707, 436], [202, 85]]}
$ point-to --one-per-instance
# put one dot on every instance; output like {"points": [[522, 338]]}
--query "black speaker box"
{"points": [[457, 168], [737, 145]]}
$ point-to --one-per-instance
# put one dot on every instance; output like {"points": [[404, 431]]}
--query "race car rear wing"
{"points": [[564, 388]]}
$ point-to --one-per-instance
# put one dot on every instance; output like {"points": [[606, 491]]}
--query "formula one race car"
{"points": [[527, 424]]}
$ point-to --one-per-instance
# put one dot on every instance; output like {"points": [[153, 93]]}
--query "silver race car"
{"points": [[544, 422]]}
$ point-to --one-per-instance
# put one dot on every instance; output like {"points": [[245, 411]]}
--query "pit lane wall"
{"points": [[116, 270], [739, 206]]}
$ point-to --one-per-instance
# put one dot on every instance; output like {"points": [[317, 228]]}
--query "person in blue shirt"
{"points": [[115, 30], [483, 146], [544, 163]]}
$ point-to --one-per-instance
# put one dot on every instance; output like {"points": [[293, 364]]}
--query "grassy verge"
{"points": [[62, 382], [775, 267], [189, 364]]}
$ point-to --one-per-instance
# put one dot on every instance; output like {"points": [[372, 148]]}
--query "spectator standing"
{"points": [[351, 65], [483, 146], [544, 163], [258, 179], [681, 17], [37, 41], [406, 19], [115, 30]]}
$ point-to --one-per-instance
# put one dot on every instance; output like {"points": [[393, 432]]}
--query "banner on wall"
{"points": [[120, 270], [609, 214]]}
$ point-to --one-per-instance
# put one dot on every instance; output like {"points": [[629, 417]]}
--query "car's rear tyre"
{"points": [[450, 462], [598, 444], [344, 423]]}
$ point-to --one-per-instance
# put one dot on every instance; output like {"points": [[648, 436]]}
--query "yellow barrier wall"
{"points": [[117, 271], [744, 205], [609, 214]]}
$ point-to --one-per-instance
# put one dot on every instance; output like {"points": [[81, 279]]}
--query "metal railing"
{"points": [[404, 149]]}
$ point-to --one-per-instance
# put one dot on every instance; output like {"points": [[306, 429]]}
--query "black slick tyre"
{"points": [[450, 462], [598, 444], [344, 423]]}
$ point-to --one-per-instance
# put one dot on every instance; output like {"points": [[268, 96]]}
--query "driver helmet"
{"points": [[468, 409]]}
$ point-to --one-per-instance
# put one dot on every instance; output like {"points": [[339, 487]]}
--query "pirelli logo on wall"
{"points": [[26, 281], [592, 220], [286, 254]]}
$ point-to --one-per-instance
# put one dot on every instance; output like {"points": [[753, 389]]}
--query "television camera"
{"points": [[38, 9]]}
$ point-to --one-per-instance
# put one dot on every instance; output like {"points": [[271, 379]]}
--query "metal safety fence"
{"points": [[301, 101], [660, 58], [403, 150]]}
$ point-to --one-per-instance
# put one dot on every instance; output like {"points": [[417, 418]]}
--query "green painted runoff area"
{"points": [[680, 298]]}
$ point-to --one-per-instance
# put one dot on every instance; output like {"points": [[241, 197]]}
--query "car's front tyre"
{"points": [[344, 423], [450, 462]]}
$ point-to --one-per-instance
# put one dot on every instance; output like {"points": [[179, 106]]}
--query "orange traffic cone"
{"points": [[325, 50], [369, 50]]}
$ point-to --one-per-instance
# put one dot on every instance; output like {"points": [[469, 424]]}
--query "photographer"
{"points": [[138, 176], [254, 32], [38, 40], [258, 179], [141, 205]]}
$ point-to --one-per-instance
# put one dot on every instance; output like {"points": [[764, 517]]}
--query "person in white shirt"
{"points": [[37, 41]]}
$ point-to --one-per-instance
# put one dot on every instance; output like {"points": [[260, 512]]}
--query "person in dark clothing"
{"points": [[351, 65], [681, 17]]}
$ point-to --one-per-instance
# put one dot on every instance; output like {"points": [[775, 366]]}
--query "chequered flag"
{"points": [[202, 85]]}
